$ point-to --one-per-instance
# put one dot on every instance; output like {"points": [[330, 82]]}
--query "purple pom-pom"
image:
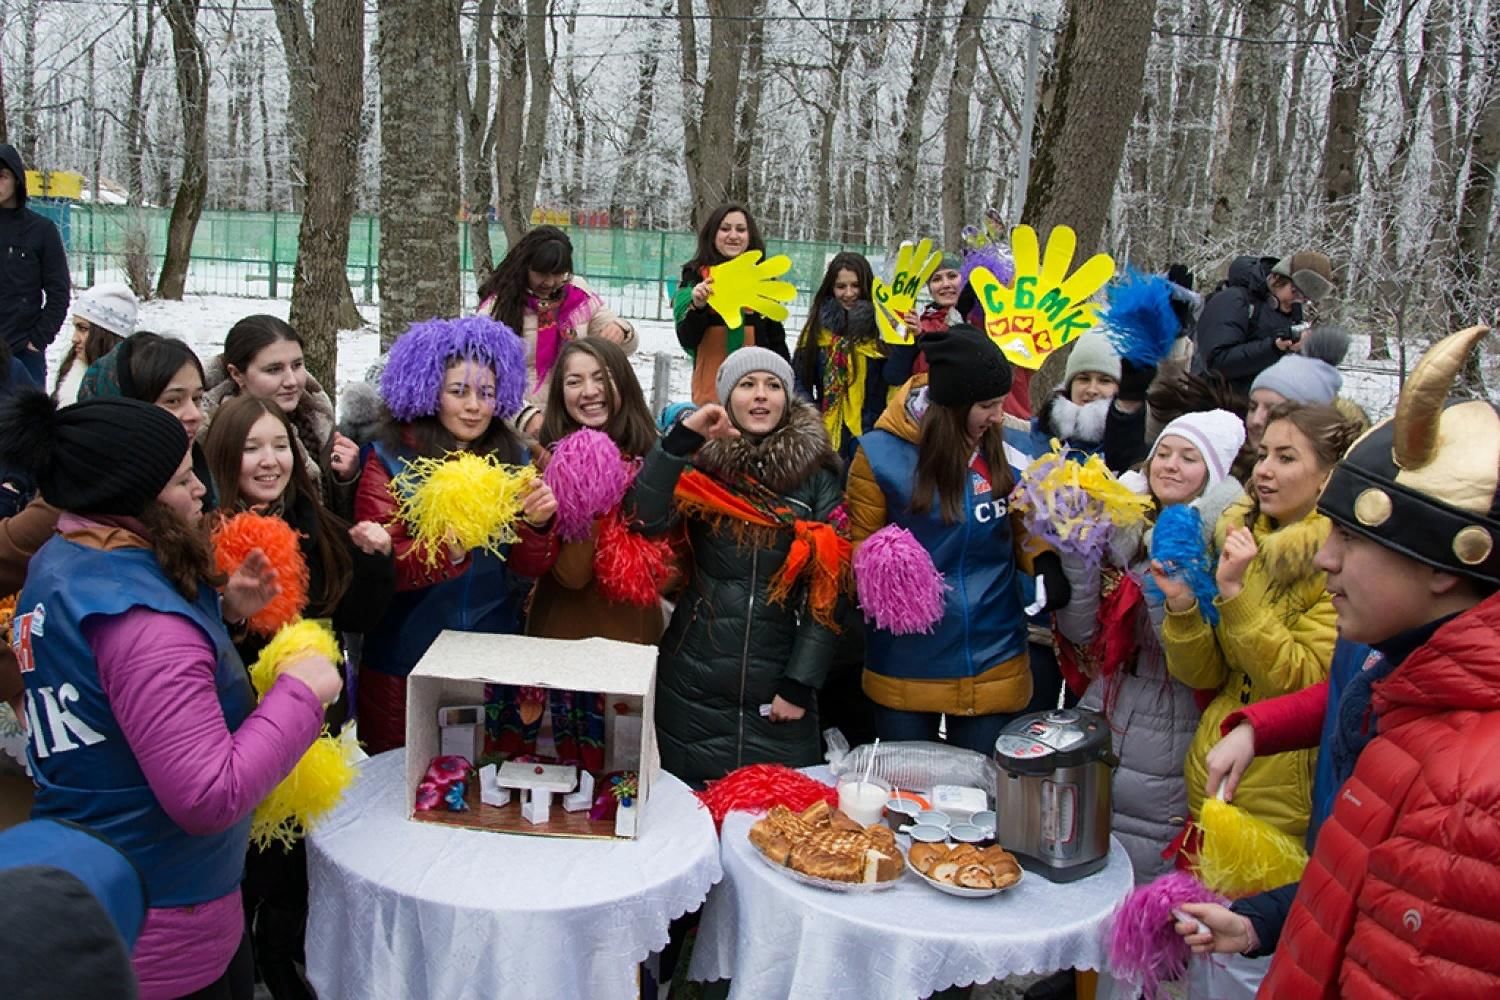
{"points": [[899, 588], [412, 382], [1144, 948], [995, 256], [589, 477]]}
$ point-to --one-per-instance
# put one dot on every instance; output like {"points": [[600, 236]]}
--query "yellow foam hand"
{"points": [[914, 265], [747, 282], [1046, 307]]}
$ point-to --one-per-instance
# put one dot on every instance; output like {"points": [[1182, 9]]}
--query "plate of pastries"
{"points": [[823, 847], [965, 870]]}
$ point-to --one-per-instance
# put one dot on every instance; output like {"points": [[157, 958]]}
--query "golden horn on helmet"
{"points": [[1422, 399]]}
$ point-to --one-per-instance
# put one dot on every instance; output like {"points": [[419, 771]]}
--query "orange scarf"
{"points": [[818, 551]]}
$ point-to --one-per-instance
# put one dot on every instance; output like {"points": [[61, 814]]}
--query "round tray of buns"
{"points": [[964, 870], [824, 848]]}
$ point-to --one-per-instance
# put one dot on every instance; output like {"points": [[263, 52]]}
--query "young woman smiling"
{"points": [[445, 384], [748, 646], [1275, 633]]}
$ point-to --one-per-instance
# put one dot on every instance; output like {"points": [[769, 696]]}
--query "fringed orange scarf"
{"points": [[818, 551]]}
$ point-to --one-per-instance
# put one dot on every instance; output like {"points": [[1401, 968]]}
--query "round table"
{"points": [[777, 938], [401, 908]]}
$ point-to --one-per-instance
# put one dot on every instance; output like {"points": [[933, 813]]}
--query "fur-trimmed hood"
{"points": [[1071, 423], [313, 418], [1286, 552], [782, 460]]}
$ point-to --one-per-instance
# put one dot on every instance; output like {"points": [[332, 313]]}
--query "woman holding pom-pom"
{"points": [[1111, 633], [928, 489], [143, 724], [448, 387], [350, 579], [756, 483]]}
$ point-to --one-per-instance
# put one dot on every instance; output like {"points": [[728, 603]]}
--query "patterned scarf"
{"points": [[755, 514], [555, 320]]}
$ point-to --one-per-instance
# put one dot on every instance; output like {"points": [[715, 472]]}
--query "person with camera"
{"points": [[1256, 316]]}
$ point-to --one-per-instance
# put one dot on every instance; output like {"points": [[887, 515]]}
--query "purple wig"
{"points": [[995, 256], [413, 379]]}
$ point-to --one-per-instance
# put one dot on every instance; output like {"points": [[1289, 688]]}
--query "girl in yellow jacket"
{"points": [[1275, 632]]}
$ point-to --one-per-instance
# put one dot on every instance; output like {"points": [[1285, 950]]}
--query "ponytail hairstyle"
{"points": [[545, 250], [943, 455], [630, 425], [224, 448], [1329, 431]]}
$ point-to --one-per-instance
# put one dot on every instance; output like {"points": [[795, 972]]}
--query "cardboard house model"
{"points": [[450, 678]]}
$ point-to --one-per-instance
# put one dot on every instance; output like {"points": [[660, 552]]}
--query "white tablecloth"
{"points": [[776, 938], [410, 910]]}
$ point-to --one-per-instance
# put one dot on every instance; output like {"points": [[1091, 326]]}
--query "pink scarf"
{"points": [[555, 321]]}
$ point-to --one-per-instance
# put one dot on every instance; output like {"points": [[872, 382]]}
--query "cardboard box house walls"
{"points": [[454, 671]]}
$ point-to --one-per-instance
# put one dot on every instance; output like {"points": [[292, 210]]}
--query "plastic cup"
{"points": [[925, 833], [863, 800]]}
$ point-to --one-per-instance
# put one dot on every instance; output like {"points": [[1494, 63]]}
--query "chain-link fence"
{"points": [[254, 253]]}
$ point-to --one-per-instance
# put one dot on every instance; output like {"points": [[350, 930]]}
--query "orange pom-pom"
{"points": [[236, 537]]}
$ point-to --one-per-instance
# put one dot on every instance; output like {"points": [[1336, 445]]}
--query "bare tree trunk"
{"points": [[744, 139], [956, 123], [1099, 65], [1358, 23], [4, 125], [1474, 278], [520, 141], [135, 113], [297, 45], [626, 180], [828, 111], [322, 303], [1251, 117], [192, 94], [706, 154], [268, 189], [924, 68], [419, 262], [479, 142], [1286, 143]]}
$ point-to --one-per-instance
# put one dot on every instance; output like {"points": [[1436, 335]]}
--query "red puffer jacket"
{"points": [[1402, 895]]}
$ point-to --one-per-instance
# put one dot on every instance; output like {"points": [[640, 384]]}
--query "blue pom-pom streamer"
{"points": [[1177, 543], [1142, 325]]}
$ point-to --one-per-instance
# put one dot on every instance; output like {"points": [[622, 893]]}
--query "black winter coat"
{"points": [[34, 280], [728, 650], [1240, 323]]}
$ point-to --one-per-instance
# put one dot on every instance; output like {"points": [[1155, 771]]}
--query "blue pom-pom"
{"points": [[1142, 325], [1177, 543]]}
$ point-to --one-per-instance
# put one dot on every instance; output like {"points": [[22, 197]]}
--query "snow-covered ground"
{"points": [[203, 320]]}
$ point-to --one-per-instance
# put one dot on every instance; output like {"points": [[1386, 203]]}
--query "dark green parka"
{"points": [[728, 650]]}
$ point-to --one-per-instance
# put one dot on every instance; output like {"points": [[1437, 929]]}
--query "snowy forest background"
{"points": [[1161, 130]]}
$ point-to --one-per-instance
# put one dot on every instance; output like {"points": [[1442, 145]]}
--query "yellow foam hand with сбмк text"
{"points": [[1046, 307], [747, 282], [914, 265]]}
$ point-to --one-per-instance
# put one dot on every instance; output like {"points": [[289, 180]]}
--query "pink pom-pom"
{"points": [[899, 588], [588, 476], [1144, 948]]}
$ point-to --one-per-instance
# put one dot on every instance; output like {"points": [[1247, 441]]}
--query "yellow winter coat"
{"points": [[1275, 637]]}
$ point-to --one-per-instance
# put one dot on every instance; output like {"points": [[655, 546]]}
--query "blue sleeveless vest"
{"points": [[486, 597], [84, 769], [982, 624]]}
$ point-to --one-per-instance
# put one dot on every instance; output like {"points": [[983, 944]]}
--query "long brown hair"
{"points": [[630, 425], [96, 345], [182, 551], [707, 255], [224, 448], [943, 454], [1328, 430]]}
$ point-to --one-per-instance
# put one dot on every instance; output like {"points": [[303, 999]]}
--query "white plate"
{"points": [[957, 890], [832, 885]]}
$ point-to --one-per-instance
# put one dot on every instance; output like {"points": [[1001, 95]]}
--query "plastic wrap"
{"points": [[915, 766]]}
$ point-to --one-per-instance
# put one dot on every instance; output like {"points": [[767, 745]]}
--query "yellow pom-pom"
{"points": [[302, 636], [306, 795], [464, 498], [1242, 854]]}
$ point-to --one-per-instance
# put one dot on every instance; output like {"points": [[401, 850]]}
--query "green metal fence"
{"points": [[253, 254]]}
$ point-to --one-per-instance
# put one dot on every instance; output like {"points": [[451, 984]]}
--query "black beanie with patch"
{"points": [[964, 367]]}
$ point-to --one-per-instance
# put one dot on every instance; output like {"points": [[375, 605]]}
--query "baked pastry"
{"points": [[812, 858], [819, 813], [924, 856], [974, 877], [825, 843], [841, 821], [944, 871], [888, 866], [965, 854]]}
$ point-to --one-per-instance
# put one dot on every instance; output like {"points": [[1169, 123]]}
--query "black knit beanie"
{"points": [[964, 367], [101, 456]]}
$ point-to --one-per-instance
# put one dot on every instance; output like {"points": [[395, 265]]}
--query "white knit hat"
{"points": [[1217, 434], [111, 305]]}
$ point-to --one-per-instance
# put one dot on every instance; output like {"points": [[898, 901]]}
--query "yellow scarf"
{"points": [[844, 385]]}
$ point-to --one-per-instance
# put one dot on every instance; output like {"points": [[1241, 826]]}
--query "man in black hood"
{"points": [[34, 281], [1252, 320]]}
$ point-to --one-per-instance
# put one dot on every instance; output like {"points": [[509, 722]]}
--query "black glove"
{"points": [[1134, 381], [1059, 590]]}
